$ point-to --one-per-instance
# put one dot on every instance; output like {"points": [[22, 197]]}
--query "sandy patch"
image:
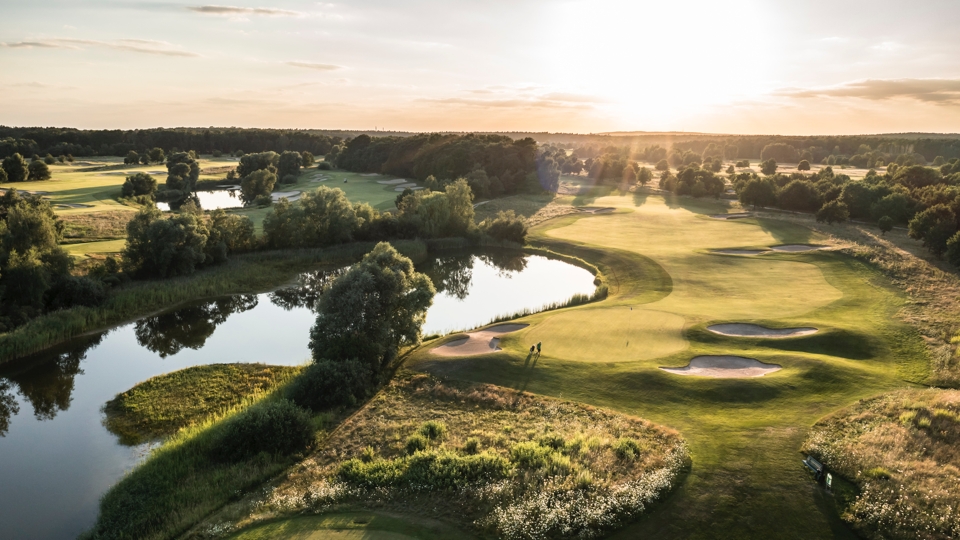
{"points": [[724, 367], [794, 248], [594, 210], [72, 205], [480, 342], [736, 215], [755, 330], [740, 251], [392, 182], [289, 195], [371, 174], [411, 187]]}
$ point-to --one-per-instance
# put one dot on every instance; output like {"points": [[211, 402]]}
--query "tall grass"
{"points": [[576, 300], [248, 273]]}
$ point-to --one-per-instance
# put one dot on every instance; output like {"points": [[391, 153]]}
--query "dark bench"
{"points": [[814, 466]]}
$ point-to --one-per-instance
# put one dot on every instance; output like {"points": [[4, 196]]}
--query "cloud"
{"points": [[235, 10], [942, 91], [314, 65], [129, 45]]}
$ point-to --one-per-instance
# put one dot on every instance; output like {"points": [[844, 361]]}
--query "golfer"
{"points": [[538, 348]]}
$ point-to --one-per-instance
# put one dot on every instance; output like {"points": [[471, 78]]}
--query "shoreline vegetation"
{"points": [[242, 274]]}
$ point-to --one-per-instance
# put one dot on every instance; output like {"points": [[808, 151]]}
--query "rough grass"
{"points": [[350, 526], [505, 463], [903, 451], [250, 273], [95, 225], [164, 404]]}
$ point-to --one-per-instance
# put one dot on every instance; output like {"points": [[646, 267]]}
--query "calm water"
{"points": [[211, 200], [57, 459]]}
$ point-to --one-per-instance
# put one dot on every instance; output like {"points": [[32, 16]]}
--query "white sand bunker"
{"points": [[479, 342], [737, 215], [793, 248], [740, 251], [72, 205], [755, 330], [411, 187], [392, 182], [724, 367], [594, 210], [289, 195], [370, 174]]}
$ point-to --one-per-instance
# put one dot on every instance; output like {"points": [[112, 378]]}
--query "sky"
{"points": [[721, 66]]}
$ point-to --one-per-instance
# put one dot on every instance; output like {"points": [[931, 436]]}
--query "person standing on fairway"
{"points": [[538, 349]]}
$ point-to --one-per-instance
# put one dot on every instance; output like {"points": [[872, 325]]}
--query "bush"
{"points": [[507, 226], [471, 445], [433, 430], [833, 212], [626, 448], [139, 184], [329, 383], [885, 224], [274, 427], [434, 470], [72, 291], [324, 166], [416, 443]]}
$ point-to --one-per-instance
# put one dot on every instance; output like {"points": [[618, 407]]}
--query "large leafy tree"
{"points": [[289, 166], [934, 226], [38, 170], [16, 168], [164, 247], [257, 184], [182, 172], [373, 310]]}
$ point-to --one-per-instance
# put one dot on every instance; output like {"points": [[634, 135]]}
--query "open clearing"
{"points": [[666, 286], [724, 367]]}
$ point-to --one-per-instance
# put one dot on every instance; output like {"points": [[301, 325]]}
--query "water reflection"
{"points": [[189, 327], [453, 274], [307, 291], [47, 386]]}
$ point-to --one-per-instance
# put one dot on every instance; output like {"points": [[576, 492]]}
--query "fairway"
{"points": [[666, 288]]}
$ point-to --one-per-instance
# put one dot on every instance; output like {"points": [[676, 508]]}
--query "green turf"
{"points": [[746, 480], [350, 526]]}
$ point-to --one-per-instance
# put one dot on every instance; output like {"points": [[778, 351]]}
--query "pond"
{"points": [[211, 200], [58, 458]]}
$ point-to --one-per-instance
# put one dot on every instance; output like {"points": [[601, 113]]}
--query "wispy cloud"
{"points": [[129, 45], [944, 91], [236, 10], [314, 65]]}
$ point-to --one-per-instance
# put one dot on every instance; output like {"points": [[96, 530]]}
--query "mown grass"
{"points": [[255, 272], [162, 405], [351, 525], [901, 449], [487, 459], [744, 434]]}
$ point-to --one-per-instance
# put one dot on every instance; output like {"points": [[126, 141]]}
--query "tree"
{"points": [[833, 212], [228, 233], [139, 184], [917, 176], [759, 192], [256, 162], [16, 168], [780, 152], [460, 199], [156, 155], [478, 180], [731, 170], [132, 158], [182, 172], [307, 158], [885, 224], [164, 247], [953, 250], [644, 176], [506, 226], [800, 195], [934, 226], [768, 167], [38, 170], [898, 206], [322, 218], [257, 184], [804, 165], [289, 165], [49, 159], [376, 307], [662, 165]]}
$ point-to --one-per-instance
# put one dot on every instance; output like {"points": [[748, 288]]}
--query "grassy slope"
{"points": [[166, 403], [349, 526], [746, 481]]}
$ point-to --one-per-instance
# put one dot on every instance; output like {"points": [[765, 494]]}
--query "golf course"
{"points": [[667, 285]]}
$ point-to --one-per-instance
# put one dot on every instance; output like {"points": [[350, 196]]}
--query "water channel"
{"points": [[57, 459]]}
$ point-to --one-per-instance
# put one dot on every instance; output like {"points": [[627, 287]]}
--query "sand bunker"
{"points": [[740, 251], [793, 248], [392, 182], [370, 174], [72, 205], [411, 187], [289, 195], [724, 367], [480, 342], [755, 330], [737, 215], [594, 210]]}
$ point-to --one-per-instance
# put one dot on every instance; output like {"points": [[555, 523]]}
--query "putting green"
{"points": [[606, 335]]}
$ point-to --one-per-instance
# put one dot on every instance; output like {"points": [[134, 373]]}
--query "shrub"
{"points": [[506, 226], [368, 455], [552, 440], [139, 184], [833, 212], [435, 470], [71, 291], [877, 473], [471, 445], [274, 427], [530, 455], [324, 166], [329, 383], [626, 448], [885, 224], [416, 443], [433, 430]]}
